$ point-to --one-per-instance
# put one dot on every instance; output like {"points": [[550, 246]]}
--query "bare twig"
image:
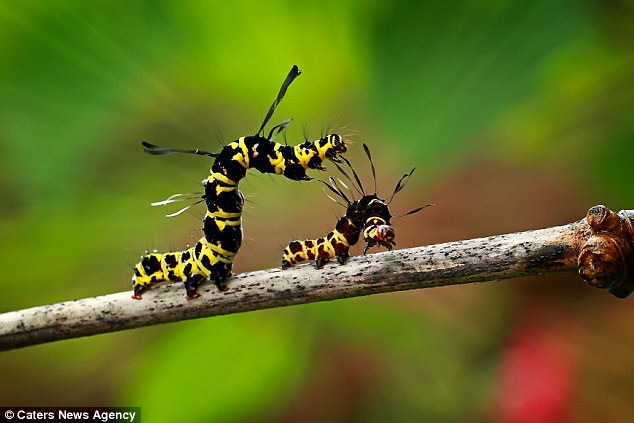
{"points": [[478, 260]]}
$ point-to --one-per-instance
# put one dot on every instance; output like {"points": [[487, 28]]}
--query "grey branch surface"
{"points": [[478, 260]]}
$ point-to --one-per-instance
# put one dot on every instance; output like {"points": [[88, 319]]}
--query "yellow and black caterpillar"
{"points": [[368, 215], [212, 256]]}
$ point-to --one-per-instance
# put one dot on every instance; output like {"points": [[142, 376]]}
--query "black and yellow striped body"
{"points": [[212, 257], [336, 244], [369, 215], [174, 266], [256, 152]]}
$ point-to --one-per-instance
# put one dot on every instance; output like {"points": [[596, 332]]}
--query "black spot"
{"points": [[170, 260], [295, 172], [151, 264], [206, 262]]}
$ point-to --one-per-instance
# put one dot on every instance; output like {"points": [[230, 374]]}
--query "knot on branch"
{"points": [[607, 257]]}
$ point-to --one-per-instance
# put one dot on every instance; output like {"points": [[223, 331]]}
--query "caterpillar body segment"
{"points": [[222, 224], [174, 266], [257, 152], [334, 245], [212, 256]]}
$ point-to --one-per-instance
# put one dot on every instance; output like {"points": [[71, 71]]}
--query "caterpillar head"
{"points": [[378, 235], [333, 145], [376, 223], [370, 213], [385, 235]]}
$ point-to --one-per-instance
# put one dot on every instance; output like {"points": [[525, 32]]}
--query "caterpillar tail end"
{"points": [[191, 286], [138, 291]]}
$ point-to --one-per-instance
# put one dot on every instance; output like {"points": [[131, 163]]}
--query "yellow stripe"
{"points": [[220, 188], [199, 269], [217, 249], [328, 247], [371, 231], [244, 161], [223, 215], [222, 223], [303, 155], [223, 253], [322, 150], [278, 161], [376, 218], [222, 178]]}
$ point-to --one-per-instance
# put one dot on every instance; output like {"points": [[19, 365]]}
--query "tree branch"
{"points": [[557, 249]]}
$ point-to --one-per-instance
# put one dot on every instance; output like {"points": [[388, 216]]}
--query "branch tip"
{"points": [[606, 258]]}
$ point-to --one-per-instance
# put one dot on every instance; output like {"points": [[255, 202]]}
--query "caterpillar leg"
{"points": [[371, 243], [139, 290], [191, 286], [322, 260], [328, 249], [194, 281], [319, 263], [221, 284]]}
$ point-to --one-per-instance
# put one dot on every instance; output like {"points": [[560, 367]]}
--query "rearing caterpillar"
{"points": [[368, 215], [212, 256]]}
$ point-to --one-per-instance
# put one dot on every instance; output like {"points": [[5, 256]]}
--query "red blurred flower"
{"points": [[536, 372]]}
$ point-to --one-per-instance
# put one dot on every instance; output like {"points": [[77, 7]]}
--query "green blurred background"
{"points": [[517, 115]]}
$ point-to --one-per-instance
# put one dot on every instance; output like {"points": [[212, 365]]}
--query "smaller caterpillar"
{"points": [[369, 215]]}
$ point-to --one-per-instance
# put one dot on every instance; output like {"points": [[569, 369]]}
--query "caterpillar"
{"points": [[369, 215], [212, 256]]}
